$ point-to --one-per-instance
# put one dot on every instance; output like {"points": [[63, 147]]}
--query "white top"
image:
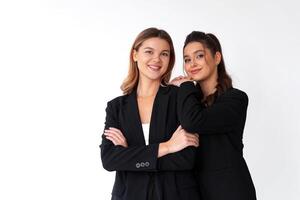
{"points": [[146, 128]]}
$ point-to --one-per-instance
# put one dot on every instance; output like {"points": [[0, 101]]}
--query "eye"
{"points": [[199, 56], [149, 52], [187, 60], [165, 54]]}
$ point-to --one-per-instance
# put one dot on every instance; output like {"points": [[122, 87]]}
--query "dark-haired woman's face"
{"points": [[199, 63]]}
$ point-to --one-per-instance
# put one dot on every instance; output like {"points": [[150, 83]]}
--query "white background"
{"points": [[62, 60]]}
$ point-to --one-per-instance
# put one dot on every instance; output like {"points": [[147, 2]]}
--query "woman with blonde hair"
{"points": [[152, 155]]}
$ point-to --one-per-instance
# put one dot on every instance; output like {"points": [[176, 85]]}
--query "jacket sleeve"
{"points": [[182, 160], [226, 114], [119, 158], [140, 158]]}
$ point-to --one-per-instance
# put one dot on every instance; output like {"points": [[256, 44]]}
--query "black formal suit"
{"points": [[222, 172], [140, 175]]}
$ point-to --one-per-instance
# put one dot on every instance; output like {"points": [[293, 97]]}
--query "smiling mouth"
{"points": [[154, 67], [195, 71]]}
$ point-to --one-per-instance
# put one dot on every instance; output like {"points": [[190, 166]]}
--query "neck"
{"points": [[147, 87], [209, 86]]}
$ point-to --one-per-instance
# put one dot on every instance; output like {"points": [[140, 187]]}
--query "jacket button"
{"points": [[137, 165], [147, 164], [142, 164]]}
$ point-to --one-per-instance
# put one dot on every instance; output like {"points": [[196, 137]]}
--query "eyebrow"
{"points": [[199, 50], [154, 49]]}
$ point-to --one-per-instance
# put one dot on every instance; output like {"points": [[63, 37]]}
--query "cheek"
{"points": [[186, 68], [142, 61], [166, 61], [141, 64], [211, 67]]}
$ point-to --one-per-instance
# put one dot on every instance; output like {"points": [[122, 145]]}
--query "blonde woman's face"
{"points": [[152, 58]]}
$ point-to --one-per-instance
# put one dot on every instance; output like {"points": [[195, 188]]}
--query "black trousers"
{"points": [[151, 190]]}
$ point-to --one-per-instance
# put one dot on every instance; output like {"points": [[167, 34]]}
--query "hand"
{"points": [[180, 79], [182, 139], [116, 136]]}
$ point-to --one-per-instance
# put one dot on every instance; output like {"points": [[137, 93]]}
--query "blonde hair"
{"points": [[132, 78]]}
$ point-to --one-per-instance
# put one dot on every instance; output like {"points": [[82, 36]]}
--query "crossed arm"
{"points": [[178, 153]]}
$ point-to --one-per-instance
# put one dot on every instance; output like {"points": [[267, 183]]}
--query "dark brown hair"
{"points": [[211, 42], [132, 78]]}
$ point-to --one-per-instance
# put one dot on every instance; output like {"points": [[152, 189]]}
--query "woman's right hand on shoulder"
{"points": [[182, 139], [178, 80]]}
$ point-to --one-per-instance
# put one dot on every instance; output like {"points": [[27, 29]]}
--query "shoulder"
{"points": [[235, 94], [168, 90], [117, 102]]}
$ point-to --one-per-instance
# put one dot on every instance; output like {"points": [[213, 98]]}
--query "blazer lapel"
{"points": [[132, 122], [158, 116]]}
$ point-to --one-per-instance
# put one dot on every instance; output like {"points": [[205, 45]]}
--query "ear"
{"points": [[134, 55], [218, 58]]}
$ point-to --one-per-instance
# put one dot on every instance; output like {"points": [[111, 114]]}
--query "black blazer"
{"points": [[138, 170], [222, 172]]}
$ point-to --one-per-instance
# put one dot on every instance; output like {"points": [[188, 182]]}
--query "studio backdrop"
{"points": [[61, 61]]}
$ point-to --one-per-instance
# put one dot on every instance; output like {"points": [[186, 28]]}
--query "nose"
{"points": [[156, 57], [192, 62]]}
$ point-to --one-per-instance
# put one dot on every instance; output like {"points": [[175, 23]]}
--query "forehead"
{"points": [[192, 47], [156, 43]]}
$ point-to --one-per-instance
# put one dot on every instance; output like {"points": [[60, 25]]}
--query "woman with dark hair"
{"points": [[152, 155], [217, 112]]}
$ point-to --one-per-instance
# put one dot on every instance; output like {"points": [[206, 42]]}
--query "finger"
{"points": [[115, 129], [191, 135], [116, 142], [179, 128], [121, 136], [112, 140], [114, 135], [193, 143], [192, 138], [112, 131], [189, 140], [196, 141]]}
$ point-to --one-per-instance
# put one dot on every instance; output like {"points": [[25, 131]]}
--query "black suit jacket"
{"points": [[221, 169], [138, 170]]}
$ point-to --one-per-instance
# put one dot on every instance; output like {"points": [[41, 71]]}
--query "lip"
{"points": [[155, 67], [195, 71]]}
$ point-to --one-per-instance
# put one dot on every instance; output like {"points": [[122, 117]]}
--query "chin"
{"points": [[196, 78], [154, 78]]}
